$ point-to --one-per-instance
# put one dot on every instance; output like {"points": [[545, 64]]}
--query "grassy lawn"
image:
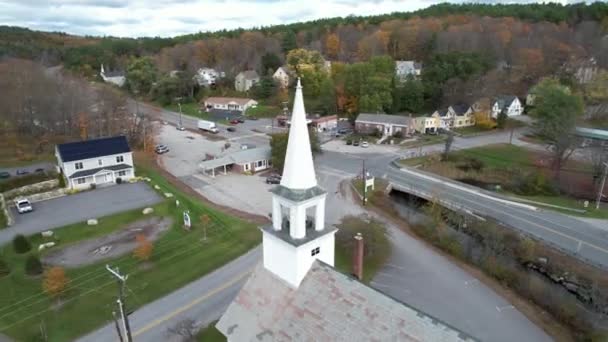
{"points": [[497, 156], [377, 247], [179, 257], [210, 334], [562, 201], [264, 111], [190, 109], [469, 130], [423, 140]]}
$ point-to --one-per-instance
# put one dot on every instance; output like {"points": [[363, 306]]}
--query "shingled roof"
{"points": [[327, 306], [93, 148]]}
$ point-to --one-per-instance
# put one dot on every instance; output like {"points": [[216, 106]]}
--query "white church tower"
{"points": [[297, 236]]}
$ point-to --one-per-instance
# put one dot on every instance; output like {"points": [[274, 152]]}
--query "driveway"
{"points": [[80, 207]]}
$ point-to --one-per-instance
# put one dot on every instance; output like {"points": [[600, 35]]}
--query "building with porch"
{"points": [[295, 293], [386, 124], [249, 160], [95, 162], [230, 103]]}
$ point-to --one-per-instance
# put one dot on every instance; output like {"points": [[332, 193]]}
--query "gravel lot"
{"points": [[80, 207]]}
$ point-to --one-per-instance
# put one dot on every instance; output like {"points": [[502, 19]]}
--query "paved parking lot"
{"points": [[80, 207]]}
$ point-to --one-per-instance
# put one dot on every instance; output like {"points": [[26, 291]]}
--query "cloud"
{"points": [[166, 18]]}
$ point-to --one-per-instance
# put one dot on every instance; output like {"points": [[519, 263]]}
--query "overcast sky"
{"points": [[134, 18]]}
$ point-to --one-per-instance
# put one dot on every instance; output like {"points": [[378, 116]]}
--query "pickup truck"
{"points": [[23, 206]]}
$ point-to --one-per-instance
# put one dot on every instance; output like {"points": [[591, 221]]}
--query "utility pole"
{"points": [[121, 303], [364, 178], [117, 326], [511, 136], [179, 105], [601, 189]]}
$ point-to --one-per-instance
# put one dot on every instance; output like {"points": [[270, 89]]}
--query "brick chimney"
{"points": [[358, 257]]}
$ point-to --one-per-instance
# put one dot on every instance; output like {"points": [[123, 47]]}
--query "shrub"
{"points": [[93, 186], [118, 180], [61, 180], [376, 133], [21, 244], [33, 266], [531, 184], [398, 135], [4, 268]]}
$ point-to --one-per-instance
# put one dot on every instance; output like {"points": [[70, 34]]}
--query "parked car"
{"points": [[356, 143], [4, 175], [364, 144], [22, 172], [273, 179], [231, 129], [160, 149], [240, 119], [23, 206], [344, 131], [349, 142], [234, 122]]}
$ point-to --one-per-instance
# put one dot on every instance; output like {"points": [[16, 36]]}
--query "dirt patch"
{"points": [[108, 246]]}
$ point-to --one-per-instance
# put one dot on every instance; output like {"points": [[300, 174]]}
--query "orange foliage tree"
{"points": [[55, 281], [332, 45], [143, 251]]}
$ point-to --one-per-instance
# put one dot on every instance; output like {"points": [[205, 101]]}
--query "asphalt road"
{"points": [[80, 207], [203, 300], [576, 237]]}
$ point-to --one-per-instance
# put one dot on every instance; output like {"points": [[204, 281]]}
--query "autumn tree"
{"points": [[556, 110], [270, 63], [55, 281], [596, 91], [143, 250], [300, 59], [332, 45], [141, 74], [289, 41]]}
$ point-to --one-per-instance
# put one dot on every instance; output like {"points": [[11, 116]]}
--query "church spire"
{"points": [[298, 170]]}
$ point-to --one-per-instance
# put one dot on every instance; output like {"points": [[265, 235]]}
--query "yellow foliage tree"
{"points": [[143, 251], [55, 281], [484, 120], [332, 45]]}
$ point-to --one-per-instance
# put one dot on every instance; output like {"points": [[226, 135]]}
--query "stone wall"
{"points": [[32, 189], [4, 208]]}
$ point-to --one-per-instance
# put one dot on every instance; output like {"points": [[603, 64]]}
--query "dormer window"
{"points": [[100, 162], [120, 159], [315, 251], [78, 166]]}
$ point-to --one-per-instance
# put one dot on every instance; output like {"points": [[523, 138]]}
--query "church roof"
{"points": [[298, 170], [327, 306]]}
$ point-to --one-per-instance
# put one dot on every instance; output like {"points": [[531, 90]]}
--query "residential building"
{"points": [[462, 114], [98, 161], [230, 103], [245, 160], [403, 69], [387, 124], [295, 293], [445, 118], [245, 80], [206, 77], [509, 104], [281, 76], [115, 77], [325, 123], [427, 124]]}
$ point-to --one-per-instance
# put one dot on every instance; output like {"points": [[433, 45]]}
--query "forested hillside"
{"points": [[468, 51]]}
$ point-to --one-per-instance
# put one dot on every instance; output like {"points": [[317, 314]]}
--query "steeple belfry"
{"points": [[298, 170]]}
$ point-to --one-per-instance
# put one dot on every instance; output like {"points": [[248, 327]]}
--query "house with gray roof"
{"points": [[244, 160], [509, 104], [387, 124], [115, 77], [403, 69], [245, 80]]}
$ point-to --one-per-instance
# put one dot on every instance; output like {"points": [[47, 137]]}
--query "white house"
{"points": [[207, 76], [245, 80], [294, 293], [509, 104], [98, 161], [406, 68], [115, 77], [281, 76], [229, 103], [387, 124]]}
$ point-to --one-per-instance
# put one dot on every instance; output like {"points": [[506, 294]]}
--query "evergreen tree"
{"points": [[289, 41]]}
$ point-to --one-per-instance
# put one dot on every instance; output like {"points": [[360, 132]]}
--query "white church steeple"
{"points": [[298, 170], [297, 236]]}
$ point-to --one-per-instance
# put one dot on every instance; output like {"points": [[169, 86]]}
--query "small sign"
{"points": [[186, 219]]}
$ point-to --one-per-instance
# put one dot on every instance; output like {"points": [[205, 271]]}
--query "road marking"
{"points": [[471, 282], [192, 303], [500, 308], [528, 221], [397, 267]]}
